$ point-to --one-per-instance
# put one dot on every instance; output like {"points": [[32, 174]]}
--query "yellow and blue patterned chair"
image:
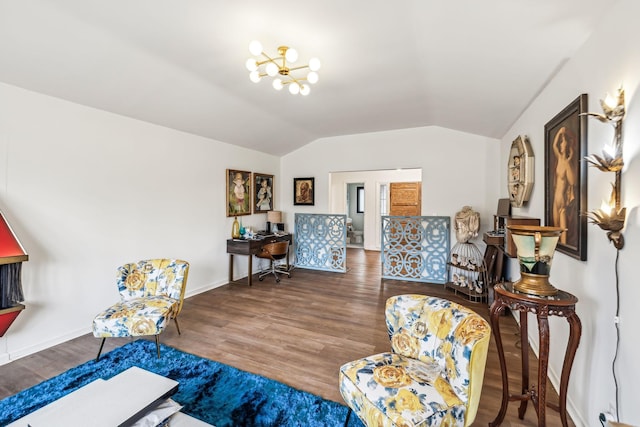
{"points": [[433, 375], [151, 294]]}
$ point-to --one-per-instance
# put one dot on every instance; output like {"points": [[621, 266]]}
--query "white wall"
{"points": [[610, 58], [458, 169], [86, 191]]}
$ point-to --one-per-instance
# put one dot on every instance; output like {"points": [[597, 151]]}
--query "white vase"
{"points": [[536, 246]]}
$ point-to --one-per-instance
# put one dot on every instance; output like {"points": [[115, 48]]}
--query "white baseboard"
{"points": [[43, 345], [191, 292]]}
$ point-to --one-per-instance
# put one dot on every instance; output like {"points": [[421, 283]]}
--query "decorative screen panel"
{"points": [[415, 248], [321, 242]]}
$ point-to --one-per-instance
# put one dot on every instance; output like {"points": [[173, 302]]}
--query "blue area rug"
{"points": [[210, 391]]}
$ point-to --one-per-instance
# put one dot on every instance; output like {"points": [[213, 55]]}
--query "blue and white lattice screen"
{"points": [[415, 248], [321, 242]]}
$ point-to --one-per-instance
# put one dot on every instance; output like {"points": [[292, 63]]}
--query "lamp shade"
{"points": [[274, 216]]}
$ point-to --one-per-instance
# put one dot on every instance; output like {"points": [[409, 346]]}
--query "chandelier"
{"points": [[282, 68]]}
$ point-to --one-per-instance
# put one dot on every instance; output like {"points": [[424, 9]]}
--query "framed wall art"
{"points": [[565, 195], [520, 169], [262, 192], [238, 192], [303, 191]]}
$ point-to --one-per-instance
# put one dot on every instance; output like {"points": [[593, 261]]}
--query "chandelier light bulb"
{"points": [[314, 64], [254, 76], [277, 84], [255, 47], [272, 69], [312, 77], [294, 88], [252, 64], [291, 55], [304, 90]]}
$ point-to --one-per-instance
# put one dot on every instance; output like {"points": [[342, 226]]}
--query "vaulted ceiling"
{"points": [[468, 65]]}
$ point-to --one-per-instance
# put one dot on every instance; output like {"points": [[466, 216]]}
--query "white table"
{"points": [[119, 401]]}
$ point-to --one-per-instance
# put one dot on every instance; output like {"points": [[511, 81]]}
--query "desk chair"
{"points": [[274, 252]]}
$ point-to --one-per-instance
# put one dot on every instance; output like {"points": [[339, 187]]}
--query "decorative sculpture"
{"points": [[467, 224]]}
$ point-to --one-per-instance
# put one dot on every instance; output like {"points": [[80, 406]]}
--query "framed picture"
{"points": [[239, 192], [263, 192], [565, 193], [303, 191]]}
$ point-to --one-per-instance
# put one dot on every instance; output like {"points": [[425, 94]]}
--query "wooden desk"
{"points": [[563, 304], [250, 247]]}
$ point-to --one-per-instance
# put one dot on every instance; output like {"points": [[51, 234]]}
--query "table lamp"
{"points": [[273, 218]]}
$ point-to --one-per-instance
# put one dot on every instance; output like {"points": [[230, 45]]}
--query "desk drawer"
{"points": [[243, 247]]}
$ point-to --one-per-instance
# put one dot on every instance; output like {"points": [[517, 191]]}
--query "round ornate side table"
{"points": [[563, 304]]}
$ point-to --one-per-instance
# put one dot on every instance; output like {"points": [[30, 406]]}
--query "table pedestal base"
{"points": [[563, 304]]}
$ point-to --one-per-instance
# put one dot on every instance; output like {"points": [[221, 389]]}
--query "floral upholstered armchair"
{"points": [[151, 294], [433, 375]]}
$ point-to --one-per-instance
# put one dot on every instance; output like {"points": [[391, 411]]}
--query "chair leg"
{"points": [[175, 319], [346, 422], [273, 269], [100, 351], [158, 345], [266, 272]]}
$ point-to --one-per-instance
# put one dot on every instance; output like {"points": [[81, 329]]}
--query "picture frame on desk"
{"points": [[565, 194]]}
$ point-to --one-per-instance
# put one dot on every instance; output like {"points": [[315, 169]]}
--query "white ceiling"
{"points": [[468, 65]]}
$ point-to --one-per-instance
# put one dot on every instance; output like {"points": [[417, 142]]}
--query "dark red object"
{"points": [[10, 248], [7, 316]]}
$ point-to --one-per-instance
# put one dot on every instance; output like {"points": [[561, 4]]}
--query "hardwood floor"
{"points": [[299, 331]]}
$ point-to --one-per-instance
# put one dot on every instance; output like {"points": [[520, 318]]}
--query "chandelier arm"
{"points": [[297, 80], [299, 67], [267, 61]]}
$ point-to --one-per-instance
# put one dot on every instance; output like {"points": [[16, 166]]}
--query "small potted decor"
{"points": [[11, 257]]}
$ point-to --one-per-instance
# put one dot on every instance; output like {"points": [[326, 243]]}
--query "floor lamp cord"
{"points": [[617, 323]]}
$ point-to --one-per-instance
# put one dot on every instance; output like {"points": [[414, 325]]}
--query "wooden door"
{"points": [[405, 199]]}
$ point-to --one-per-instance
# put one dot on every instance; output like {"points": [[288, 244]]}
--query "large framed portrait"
{"points": [[262, 192], [239, 192], [565, 195], [303, 191]]}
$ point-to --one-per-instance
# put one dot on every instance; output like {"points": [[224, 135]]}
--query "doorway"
{"points": [[376, 184]]}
